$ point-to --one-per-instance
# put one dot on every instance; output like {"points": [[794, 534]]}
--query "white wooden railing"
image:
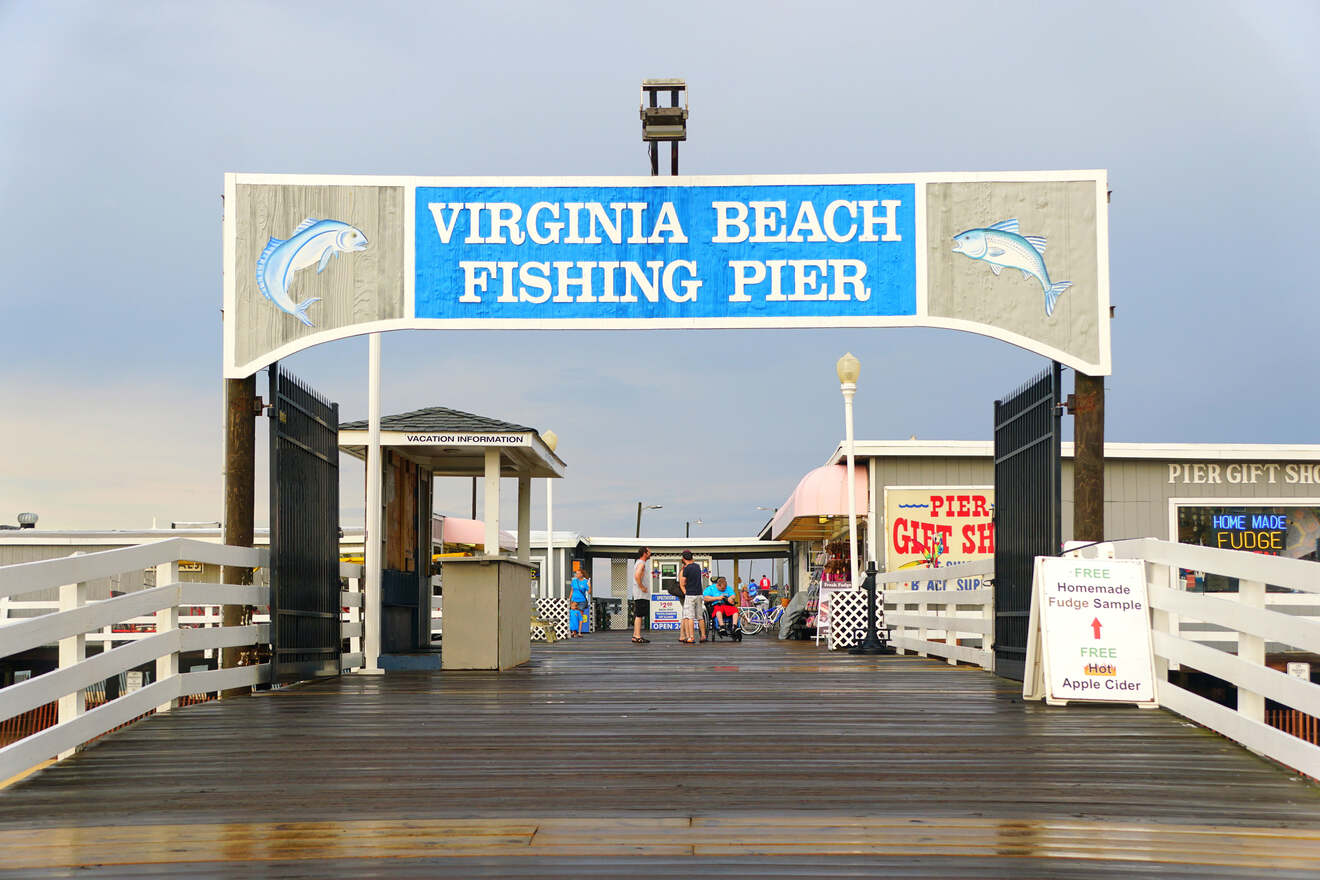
{"points": [[942, 620], [79, 620], [1253, 618]]}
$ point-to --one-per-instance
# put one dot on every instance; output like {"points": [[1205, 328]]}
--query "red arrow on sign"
{"points": [[1095, 627]]}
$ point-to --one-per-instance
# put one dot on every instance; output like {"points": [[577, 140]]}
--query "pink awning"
{"points": [[468, 533], [821, 497]]}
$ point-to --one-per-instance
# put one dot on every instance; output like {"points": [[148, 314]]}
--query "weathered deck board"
{"points": [[593, 758]]}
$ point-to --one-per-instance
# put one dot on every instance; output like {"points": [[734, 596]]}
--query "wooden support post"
{"points": [[491, 512], [240, 487], [1088, 409], [73, 650], [654, 147], [1158, 576], [167, 620], [1251, 648], [525, 517]]}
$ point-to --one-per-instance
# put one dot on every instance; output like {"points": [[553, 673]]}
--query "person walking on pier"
{"points": [[641, 596], [690, 580], [579, 620]]}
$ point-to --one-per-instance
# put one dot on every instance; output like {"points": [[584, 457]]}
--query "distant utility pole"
{"points": [[663, 123]]}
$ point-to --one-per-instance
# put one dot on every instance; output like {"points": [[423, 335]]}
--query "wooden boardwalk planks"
{"points": [[762, 754]]}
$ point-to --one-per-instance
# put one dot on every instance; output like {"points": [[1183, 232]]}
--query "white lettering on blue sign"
{"points": [[630, 252]]}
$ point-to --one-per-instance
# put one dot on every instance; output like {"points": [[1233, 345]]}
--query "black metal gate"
{"points": [[304, 531], [1027, 507]]}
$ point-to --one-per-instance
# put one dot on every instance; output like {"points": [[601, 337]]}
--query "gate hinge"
{"points": [[258, 407], [1076, 407]]}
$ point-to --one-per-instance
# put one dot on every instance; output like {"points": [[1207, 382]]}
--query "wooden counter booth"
{"points": [[487, 597]]}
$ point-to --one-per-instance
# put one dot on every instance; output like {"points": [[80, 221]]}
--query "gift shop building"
{"points": [[919, 502]]}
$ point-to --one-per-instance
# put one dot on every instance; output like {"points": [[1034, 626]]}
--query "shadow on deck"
{"points": [[601, 757]]}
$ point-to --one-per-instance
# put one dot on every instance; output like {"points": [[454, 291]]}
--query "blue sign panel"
{"points": [[716, 254]]}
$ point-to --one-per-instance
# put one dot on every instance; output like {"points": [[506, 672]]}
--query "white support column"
{"points": [[548, 576], [355, 615], [167, 620], [1251, 649], [73, 650], [492, 509], [525, 517], [372, 547]]}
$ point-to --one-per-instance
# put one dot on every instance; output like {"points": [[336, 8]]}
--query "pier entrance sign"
{"points": [[1088, 637], [1021, 256]]}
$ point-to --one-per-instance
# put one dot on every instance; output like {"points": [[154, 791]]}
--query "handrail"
{"points": [[46, 629], [946, 572], [28, 577], [915, 629], [1296, 574], [76, 617], [27, 695], [68, 735], [1251, 627]]}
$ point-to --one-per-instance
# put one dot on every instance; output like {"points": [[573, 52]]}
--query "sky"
{"points": [[120, 119]]}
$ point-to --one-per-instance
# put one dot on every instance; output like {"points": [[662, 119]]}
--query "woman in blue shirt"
{"points": [[579, 621]]}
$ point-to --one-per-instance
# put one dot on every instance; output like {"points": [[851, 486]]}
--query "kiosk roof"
{"points": [[452, 443]]}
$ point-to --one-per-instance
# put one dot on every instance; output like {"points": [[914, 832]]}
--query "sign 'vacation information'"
{"points": [[1089, 633], [1019, 256]]}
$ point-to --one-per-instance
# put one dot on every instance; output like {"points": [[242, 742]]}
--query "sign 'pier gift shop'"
{"points": [[311, 258], [1089, 636]]}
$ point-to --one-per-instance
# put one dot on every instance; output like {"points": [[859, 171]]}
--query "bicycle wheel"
{"points": [[751, 620]]}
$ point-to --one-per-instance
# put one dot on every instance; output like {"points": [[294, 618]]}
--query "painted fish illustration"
{"points": [[314, 241], [1002, 248]]}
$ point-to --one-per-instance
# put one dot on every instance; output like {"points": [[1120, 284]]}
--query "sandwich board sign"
{"points": [[1088, 638]]}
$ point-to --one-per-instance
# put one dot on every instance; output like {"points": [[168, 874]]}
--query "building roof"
{"points": [[1148, 451], [737, 547], [436, 418], [131, 537], [450, 443]]}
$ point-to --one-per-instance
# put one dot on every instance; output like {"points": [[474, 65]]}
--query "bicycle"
{"points": [[755, 618]]}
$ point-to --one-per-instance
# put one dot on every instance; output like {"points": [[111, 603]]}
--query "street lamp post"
{"points": [[874, 643], [687, 527], [551, 440], [848, 369], [640, 508]]}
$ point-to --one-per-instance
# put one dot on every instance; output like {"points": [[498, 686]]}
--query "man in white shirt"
{"points": [[641, 595]]}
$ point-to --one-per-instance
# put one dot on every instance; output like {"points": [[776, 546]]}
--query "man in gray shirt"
{"points": [[693, 607], [641, 595]]}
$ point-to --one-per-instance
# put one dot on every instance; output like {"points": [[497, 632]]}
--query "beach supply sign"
{"points": [[929, 527], [1088, 635], [1021, 257]]}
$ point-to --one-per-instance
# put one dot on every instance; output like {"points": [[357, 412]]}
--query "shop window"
{"points": [[1275, 530]]}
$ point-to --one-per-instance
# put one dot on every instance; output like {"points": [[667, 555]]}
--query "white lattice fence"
{"points": [[555, 609], [847, 618]]}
